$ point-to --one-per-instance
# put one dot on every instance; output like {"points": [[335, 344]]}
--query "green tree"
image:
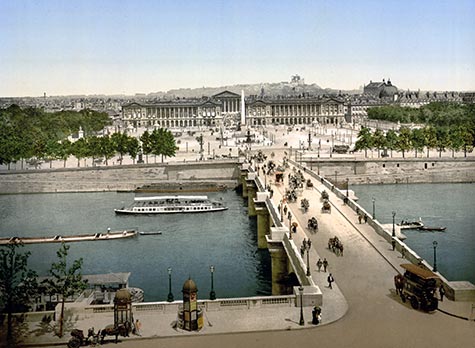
{"points": [[52, 151], [456, 140], [64, 151], [443, 140], [404, 141], [430, 135], [391, 140], [79, 149], [466, 135], [364, 141], [146, 144], [133, 148], [93, 148], [65, 280], [120, 142], [418, 140], [18, 283], [107, 148], [163, 143], [379, 141]]}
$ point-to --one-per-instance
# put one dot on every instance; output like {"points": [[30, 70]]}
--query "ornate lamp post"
{"points": [[308, 260], [394, 231], [290, 224], [170, 295], [301, 322], [434, 243], [212, 293], [374, 211]]}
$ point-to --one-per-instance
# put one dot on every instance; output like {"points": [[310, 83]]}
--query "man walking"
{"points": [[330, 280], [325, 265], [319, 264], [393, 243]]}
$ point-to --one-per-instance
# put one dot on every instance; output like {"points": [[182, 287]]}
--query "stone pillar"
{"points": [[251, 194], [262, 226], [244, 183], [279, 268]]}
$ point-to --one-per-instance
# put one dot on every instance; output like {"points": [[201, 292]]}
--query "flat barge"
{"points": [[68, 239]]}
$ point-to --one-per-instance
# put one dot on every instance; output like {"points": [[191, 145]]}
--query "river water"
{"points": [[450, 205], [189, 243]]}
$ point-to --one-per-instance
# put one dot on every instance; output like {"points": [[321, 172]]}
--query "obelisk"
{"points": [[243, 109]]}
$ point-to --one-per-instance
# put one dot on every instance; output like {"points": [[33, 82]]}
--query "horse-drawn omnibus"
{"points": [[418, 285]]}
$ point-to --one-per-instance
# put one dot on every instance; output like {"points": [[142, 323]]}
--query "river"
{"points": [[449, 205], [189, 243]]}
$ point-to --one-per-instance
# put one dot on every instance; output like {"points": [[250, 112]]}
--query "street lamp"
{"points": [[308, 259], [347, 186], [336, 178], [212, 294], [374, 214], [434, 243], [394, 231], [290, 224], [302, 322], [170, 295]]}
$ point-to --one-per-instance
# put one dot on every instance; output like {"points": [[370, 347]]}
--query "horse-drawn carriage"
{"points": [[326, 207], [309, 183], [325, 195], [290, 195], [304, 204], [335, 245], [418, 285], [312, 224]]}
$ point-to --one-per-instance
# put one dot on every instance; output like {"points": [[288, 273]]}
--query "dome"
{"points": [[189, 286], [388, 91], [123, 296]]}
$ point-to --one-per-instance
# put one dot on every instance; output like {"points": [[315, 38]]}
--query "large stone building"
{"points": [[225, 108], [381, 89]]}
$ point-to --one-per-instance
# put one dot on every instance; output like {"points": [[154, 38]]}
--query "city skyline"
{"points": [[128, 47]]}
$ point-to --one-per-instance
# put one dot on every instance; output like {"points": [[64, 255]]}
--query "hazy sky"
{"points": [[106, 46]]}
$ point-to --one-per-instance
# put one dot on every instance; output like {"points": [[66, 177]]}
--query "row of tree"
{"points": [[455, 138], [437, 114], [19, 285], [33, 134]]}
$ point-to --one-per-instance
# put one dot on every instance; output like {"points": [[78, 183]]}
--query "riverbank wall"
{"points": [[393, 170], [184, 175]]}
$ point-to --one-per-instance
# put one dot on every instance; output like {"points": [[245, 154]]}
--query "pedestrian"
{"points": [[441, 292], [359, 218], [403, 252], [330, 280], [302, 250], [393, 243], [304, 243], [138, 328], [309, 243], [325, 265], [365, 218], [319, 264]]}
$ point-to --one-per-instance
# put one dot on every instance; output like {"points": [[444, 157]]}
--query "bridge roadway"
{"points": [[369, 314]]}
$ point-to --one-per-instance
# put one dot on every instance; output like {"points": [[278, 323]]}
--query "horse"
{"points": [[111, 330], [312, 224]]}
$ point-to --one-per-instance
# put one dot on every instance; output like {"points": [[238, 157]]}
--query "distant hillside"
{"points": [[267, 89]]}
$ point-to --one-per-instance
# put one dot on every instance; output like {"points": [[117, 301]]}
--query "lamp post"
{"points": [[434, 243], [336, 178], [308, 260], [170, 295], [347, 186], [374, 214], [394, 231], [302, 322], [290, 224], [212, 294]]}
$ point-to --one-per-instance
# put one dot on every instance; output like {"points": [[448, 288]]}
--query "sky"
{"points": [[65, 47]]}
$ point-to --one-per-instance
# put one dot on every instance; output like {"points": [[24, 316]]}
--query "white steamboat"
{"points": [[172, 204]]}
